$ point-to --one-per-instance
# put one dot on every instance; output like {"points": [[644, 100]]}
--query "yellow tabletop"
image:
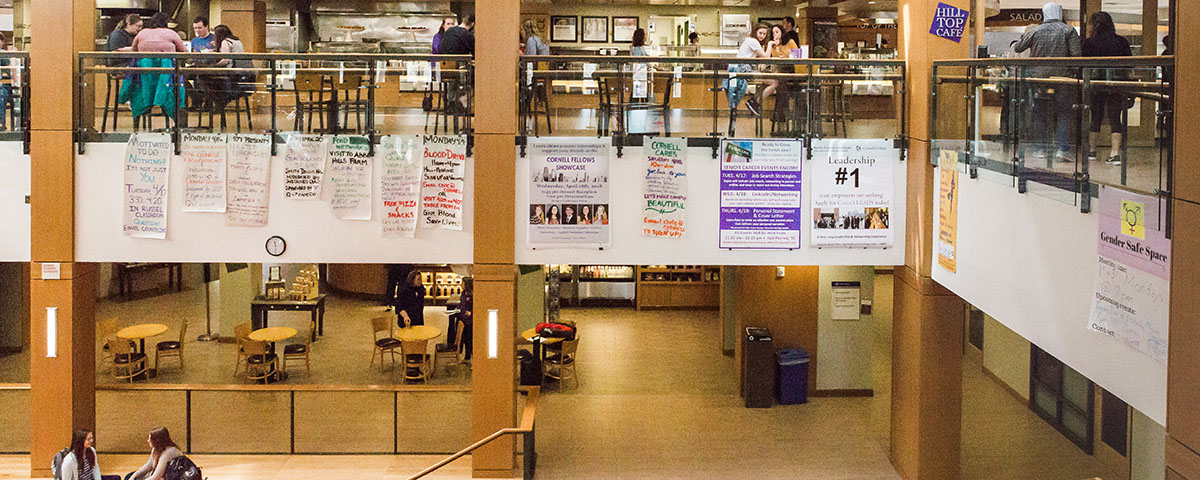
{"points": [[529, 334], [272, 334], [142, 331], [416, 333]]}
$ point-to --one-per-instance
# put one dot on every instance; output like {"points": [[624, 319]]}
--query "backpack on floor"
{"points": [[56, 463], [182, 468]]}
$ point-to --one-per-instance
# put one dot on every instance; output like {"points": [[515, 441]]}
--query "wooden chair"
{"points": [[351, 87], [561, 366], [241, 335], [452, 349], [299, 351], [260, 364], [386, 344], [123, 357], [310, 92], [171, 348], [416, 361]]}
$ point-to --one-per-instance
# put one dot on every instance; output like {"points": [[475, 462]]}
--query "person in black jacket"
{"points": [[410, 306], [1104, 42], [460, 40]]}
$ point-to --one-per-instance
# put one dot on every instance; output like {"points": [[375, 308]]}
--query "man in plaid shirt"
{"points": [[1053, 38]]}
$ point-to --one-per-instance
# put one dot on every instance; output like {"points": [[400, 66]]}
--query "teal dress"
{"points": [[144, 91]]}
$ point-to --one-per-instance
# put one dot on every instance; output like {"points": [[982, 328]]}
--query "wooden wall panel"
{"points": [[125, 417], [788, 306], [241, 422], [1183, 371], [14, 422], [494, 380], [345, 422], [447, 430]]}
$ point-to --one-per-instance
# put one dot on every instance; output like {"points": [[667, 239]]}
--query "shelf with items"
{"points": [[678, 286], [606, 273], [679, 273], [441, 286]]}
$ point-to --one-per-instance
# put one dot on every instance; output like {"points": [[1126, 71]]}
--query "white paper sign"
{"points": [[304, 167], [249, 176], [443, 159], [203, 158], [665, 188], [569, 195], [400, 184], [147, 168], [348, 177], [852, 192], [844, 301]]}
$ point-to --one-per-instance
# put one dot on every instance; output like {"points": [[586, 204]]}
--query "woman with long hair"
{"points": [[466, 307], [638, 48], [552, 218], [779, 47], [534, 45], [81, 464], [539, 215], [411, 307], [1104, 42], [585, 214], [162, 451], [601, 216]]}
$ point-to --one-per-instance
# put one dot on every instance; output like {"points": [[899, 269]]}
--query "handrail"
{"points": [[1140, 61], [527, 421], [711, 60]]}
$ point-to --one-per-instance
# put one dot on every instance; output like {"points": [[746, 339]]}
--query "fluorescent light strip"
{"points": [[51, 332], [493, 333]]}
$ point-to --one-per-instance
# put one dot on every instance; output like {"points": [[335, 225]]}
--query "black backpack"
{"points": [[182, 468]]}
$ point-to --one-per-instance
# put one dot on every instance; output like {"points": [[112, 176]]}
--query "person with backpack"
{"points": [[79, 461], [162, 452]]}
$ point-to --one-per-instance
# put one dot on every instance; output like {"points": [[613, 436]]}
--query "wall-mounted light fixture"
{"points": [[51, 332], [493, 333]]}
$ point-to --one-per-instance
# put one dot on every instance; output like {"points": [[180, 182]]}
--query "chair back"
{"points": [[414, 348], [569, 346], [241, 333], [380, 324], [119, 346], [458, 333], [347, 81], [663, 86], [255, 347], [182, 331], [309, 83]]}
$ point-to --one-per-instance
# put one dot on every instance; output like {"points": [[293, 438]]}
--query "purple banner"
{"points": [[760, 194]]}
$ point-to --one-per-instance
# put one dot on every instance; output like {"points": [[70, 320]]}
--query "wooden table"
{"points": [[272, 335], [139, 333], [532, 336], [416, 333], [125, 273], [261, 305]]}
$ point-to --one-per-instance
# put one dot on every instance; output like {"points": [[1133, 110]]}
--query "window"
{"points": [[1062, 397]]}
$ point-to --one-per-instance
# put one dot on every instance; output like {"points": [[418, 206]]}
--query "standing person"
{"points": [[789, 30], [162, 451], [466, 308], [447, 23], [693, 46], [144, 91], [203, 41], [81, 464], [534, 45], [459, 40], [1053, 38], [411, 306], [1104, 42], [639, 43], [735, 88]]}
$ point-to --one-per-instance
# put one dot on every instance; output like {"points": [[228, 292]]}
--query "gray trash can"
{"points": [[758, 368], [792, 387]]}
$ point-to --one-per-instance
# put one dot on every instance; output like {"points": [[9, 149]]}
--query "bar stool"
{"points": [[536, 96], [114, 91]]}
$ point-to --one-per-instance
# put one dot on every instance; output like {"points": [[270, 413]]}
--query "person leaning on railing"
{"points": [[735, 88], [1104, 42], [1053, 38]]}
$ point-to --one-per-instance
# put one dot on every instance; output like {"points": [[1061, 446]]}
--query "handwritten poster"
{"points": [[443, 158], [304, 167], [203, 158], [348, 177], [664, 188], [852, 192], [947, 250], [400, 185], [1131, 295], [568, 198], [147, 168], [760, 194], [249, 178]]}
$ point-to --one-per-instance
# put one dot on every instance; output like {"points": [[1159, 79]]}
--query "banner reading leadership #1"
{"points": [[760, 194], [568, 197], [852, 192]]}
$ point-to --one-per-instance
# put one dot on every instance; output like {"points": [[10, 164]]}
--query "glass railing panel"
{"points": [[14, 96], [1126, 126], [858, 100], [1048, 136], [949, 103]]}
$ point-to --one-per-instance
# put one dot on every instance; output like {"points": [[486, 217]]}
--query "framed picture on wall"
{"points": [[564, 28], [595, 29], [768, 21], [623, 28], [541, 23]]}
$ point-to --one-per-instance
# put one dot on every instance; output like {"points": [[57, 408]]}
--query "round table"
{"points": [[272, 335], [140, 332], [531, 335], [416, 333]]}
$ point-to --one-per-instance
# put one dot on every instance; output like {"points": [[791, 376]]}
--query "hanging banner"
{"points": [[568, 198], [400, 185], [304, 166], [852, 192], [1131, 297], [248, 180], [147, 168], [443, 158], [348, 177], [203, 157], [947, 250], [664, 188], [760, 194]]}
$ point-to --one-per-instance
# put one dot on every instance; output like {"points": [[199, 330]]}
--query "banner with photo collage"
{"points": [[569, 194], [852, 192]]}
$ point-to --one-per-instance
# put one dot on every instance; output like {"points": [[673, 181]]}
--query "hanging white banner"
{"points": [[852, 192]]}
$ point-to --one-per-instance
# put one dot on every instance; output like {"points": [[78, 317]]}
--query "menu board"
{"points": [[665, 188], [249, 178], [400, 184], [760, 194], [304, 166], [852, 193], [443, 159], [568, 198], [147, 168], [203, 157], [348, 177]]}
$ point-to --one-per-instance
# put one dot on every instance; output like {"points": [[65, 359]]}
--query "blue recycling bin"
{"points": [[792, 385]]}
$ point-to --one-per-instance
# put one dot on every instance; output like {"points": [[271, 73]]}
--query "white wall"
{"points": [[1029, 261], [14, 212], [1006, 355], [310, 229], [1147, 448], [699, 245], [844, 346]]}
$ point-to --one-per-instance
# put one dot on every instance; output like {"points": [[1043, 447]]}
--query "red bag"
{"points": [[555, 330]]}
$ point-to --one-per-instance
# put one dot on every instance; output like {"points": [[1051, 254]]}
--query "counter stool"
{"points": [[536, 100], [113, 92]]}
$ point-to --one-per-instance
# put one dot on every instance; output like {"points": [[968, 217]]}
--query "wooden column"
{"points": [[1183, 371], [494, 380], [927, 320], [248, 20], [63, 387]]}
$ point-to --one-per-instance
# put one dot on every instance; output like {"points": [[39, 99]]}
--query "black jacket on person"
{"points": [[457, 41], [1107, 45], [412, 301], [118, 39]]}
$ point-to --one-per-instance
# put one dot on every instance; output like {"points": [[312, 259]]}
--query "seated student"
{"points": [[162, 451], [81, 463]]}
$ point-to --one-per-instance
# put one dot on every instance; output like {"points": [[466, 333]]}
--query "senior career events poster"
{"points": [[760, 194], [852, 192], [568, 197]]}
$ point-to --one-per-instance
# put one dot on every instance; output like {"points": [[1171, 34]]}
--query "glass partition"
{"points": [[14, 97]]}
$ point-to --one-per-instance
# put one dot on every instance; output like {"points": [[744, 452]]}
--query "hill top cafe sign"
{"points": [[949, 22]]}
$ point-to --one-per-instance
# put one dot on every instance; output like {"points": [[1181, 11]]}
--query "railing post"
{"points": [[180, 105], [274, 88]]}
